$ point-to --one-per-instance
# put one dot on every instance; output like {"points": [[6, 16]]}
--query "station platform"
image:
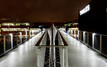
{"points": [[23, 56], [79, 55]]}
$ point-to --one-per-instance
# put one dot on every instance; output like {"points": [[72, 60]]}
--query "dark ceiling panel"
{"points": [[42, 10]]}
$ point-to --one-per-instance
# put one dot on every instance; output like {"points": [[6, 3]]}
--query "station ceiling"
{"points": [[42, 10]]}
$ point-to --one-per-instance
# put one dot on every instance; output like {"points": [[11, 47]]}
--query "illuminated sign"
{"points": [[14, 24], [86, 9], [14, 29]]}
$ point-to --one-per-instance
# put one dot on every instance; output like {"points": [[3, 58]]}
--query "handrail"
{"points": [[93, 32], [38, 43], [52, 45]]}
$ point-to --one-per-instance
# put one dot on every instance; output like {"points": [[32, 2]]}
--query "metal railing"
{"points": [[12, 40], [98, 42]]}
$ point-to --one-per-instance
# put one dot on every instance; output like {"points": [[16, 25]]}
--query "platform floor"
{"points": [[23, 56], [78, 55]]}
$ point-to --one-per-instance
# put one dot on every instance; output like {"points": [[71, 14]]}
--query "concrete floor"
{"points": [[78, 54]]}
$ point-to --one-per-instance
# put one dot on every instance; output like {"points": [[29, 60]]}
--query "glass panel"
{"points": [[28, 34], [15, 39], [8, 42], [85, 37], [19, 38], [1, 44], [23, 37], [90, 39], [94, 40], [81, 35], [76, 34], [97, 42], [104, 44]]}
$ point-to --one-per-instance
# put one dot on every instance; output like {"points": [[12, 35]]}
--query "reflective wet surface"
{"points": [[79, 55], [23, 56]]}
